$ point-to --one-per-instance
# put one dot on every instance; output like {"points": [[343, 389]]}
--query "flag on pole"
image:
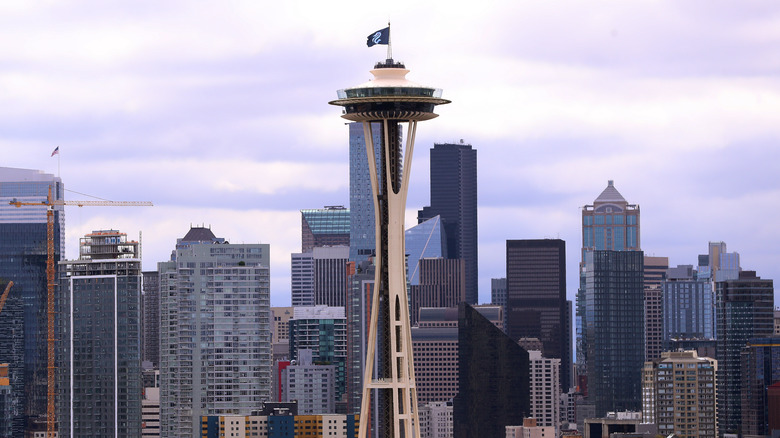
{"points": [[56, 151], [379, 37]]}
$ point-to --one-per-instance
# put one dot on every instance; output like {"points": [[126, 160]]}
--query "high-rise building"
{"points": [[215, 337], [654, 274], [362, 237], [678, 394], [498, 292], [760, 369], [545, 390], [610, 223], [23, 254], [493, 381], [99, 377], [536, 298], [330, 275], [442, 284], [150, 405], [743, 311], [323, 330], [327, 226], [310, 384], [688, 305], [150, 333], [360, 281], [718, 264], [435, 345], [6, 429], [424, 241], [302, 279], [454, 199], [613, 324], [436, 420]]}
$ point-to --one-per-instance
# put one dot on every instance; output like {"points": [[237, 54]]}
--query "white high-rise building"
{"points": [[545, 375], [215, 338]]}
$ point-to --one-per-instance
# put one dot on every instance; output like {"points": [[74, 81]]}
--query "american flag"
{"points": [[55, 151]]}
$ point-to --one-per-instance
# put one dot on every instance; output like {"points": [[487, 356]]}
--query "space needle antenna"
{"points": [[389, 42]]}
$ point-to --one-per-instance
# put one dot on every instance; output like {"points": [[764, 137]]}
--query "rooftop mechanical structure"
{"points": [[386, 102]]}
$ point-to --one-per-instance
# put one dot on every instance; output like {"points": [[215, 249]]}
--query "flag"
{"points": [[56, 151], [379, 37]]}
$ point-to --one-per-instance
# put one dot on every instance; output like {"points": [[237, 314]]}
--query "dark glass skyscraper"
{"points": [[99, 377], [536, 298], [743, 310], [760, 369], [494, 385], [23, 247], [362, 239], [454, 198], [613, 329]]}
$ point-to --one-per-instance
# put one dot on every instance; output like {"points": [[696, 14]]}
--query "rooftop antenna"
{"points": [[389, 42]]}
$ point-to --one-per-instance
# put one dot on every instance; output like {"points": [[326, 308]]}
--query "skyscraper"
{"points": [[330, 275], [424, 240], [743, 310], [151, 318], [442, 284], [613, 329], [215, 337], [327, 226], [302, 279], [323, 331], [99, 390], [612, 224], [454, 199], [536, 298], [23, 253], [688, 305], [760, 369], [493, 385], [362, 237], [545, 392], [360, 279], [654, 274]]}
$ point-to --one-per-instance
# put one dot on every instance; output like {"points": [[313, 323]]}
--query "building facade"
{"points": [[362, 234], [688, 305], [323, 330], [743, 311], [454, 199], [610, 223], [760, 370], [536, 298], [302, 279], [654, 274], [442, 283], [679, 394], [151, 318], [310, 385], [425, 240], [545, 391], [493, 381], [613, 329], [23, 253], [327, 226], [99, 377], [330, 275], [215, 337]]}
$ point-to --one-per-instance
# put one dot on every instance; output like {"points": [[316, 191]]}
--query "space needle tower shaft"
{"points": [[386, 103]]}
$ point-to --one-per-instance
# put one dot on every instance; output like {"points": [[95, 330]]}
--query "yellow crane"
{"points": [[5, 295], [50, 203]]}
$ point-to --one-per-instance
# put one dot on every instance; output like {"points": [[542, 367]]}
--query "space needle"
{"points": [[385, 103]]}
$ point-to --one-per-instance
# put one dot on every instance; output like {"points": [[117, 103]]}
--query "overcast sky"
{"points": [[217, 112]]}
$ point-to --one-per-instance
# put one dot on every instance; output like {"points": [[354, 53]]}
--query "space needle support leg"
{"points": [[372, 328]]}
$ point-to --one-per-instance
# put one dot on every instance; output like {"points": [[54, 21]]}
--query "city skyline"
{"points": [[217, 116]]}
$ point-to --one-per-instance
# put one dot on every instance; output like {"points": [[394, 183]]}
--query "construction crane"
{"points": [[5, 295], [50, 204]]}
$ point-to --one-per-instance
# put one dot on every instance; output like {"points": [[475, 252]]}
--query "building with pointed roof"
{"points": [[610, 223]]}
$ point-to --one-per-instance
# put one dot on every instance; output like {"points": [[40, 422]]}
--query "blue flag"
{"points": [[379, 37]]}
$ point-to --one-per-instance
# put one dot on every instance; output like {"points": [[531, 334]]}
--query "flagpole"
{"points": [[389, 42]]}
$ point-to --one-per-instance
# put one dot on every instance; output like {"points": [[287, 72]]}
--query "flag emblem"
{"points": [[56, 151], [379, 37]]}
